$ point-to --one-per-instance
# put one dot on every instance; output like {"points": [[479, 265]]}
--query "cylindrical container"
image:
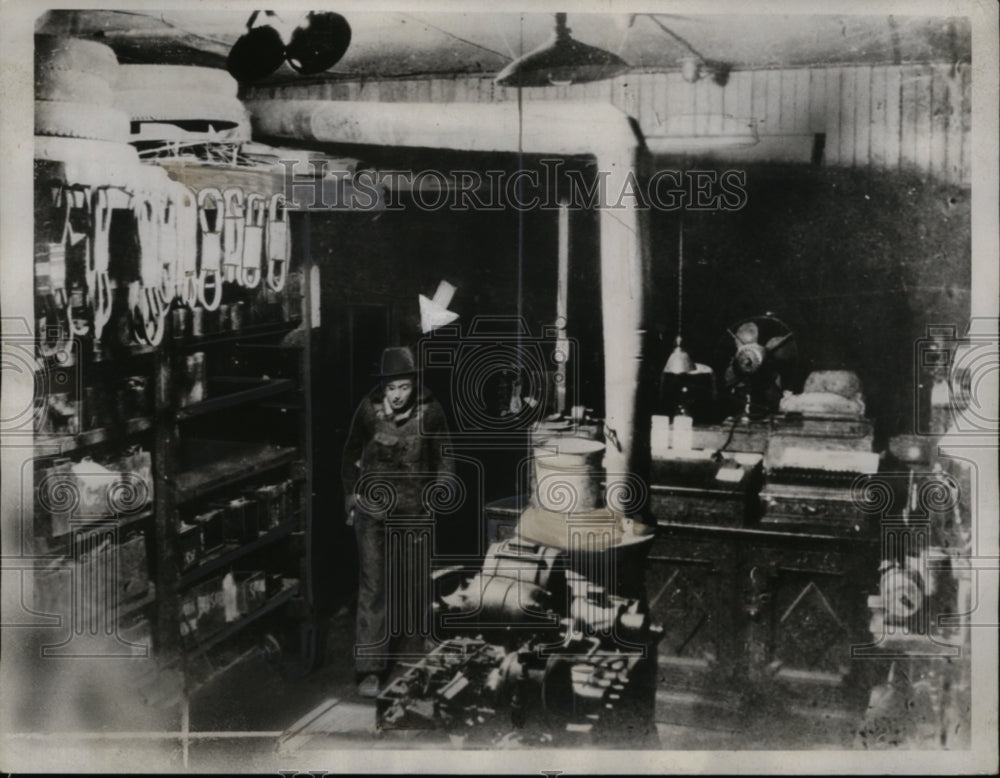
{"points": [[236, 312], [197, 322], [659, 436], [179, 319], [135, 398], [682, 436], [192, 388], [225, 317], [568, 475]]}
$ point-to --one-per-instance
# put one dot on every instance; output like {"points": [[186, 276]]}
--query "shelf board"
{"points": [[212, 564], [59, 544], [270, 346], [65, 444], [276, 405], [258, 389], [231, 629], [244, 333], [224, 462], [143, 602]]}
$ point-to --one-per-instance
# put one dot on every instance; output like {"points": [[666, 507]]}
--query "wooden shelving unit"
{"points": [[125, 396], [227, 465], [233, 552], [275, 602]]}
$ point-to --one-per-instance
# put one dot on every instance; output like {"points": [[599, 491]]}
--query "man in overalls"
{"points": [[394, 457]]}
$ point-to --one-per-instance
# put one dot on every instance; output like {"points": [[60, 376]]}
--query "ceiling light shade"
{"points": [[680, 361], [561, 61], [691, 69], [257, 53], [319, 44]]}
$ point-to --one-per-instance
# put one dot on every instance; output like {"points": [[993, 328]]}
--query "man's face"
{"points": [[398, 392]]}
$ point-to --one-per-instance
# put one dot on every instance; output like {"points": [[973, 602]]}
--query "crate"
{"points": [[251, 590], [272, 502], [208, 606], [211, 524], [240, 520], [189, 545]]}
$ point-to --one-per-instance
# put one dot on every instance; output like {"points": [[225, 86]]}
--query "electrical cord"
{"points": [[717, 456]]}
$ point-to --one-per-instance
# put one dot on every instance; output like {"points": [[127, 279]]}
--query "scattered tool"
{"points": [[210, 250], [253, 240], [148, 314], [188, 286], [233, 224], [278, 245], [100, 251]]}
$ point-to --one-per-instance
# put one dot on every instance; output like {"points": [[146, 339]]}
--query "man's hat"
{"points": [[397, 361]]}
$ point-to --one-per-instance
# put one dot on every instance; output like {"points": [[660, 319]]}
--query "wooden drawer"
{"points": [[697, 506], [803, 509]]}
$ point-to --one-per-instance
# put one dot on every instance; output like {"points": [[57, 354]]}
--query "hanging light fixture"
{"points": [[314, 44], [319, 43], [696, 66], [561, 62], [679, 361]]}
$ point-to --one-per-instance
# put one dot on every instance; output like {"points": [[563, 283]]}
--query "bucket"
{"points": [[548, 430], [568, 475]]}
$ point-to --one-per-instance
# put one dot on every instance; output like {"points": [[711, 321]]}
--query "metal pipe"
{"points": [[533, 127]]}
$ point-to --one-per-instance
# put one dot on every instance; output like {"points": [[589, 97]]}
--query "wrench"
{"points": [[148, 315], [232, 234], [50, 280], [100, 249], [211, 248], [186, 203], [278, 246], [253, 240], [77, 233], [166, 245]]}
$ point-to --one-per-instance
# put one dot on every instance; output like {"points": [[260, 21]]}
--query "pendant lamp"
{"points": [[561, 62], [679, 361]]}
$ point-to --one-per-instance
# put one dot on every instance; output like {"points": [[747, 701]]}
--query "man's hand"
{"points": [[350, 509]]}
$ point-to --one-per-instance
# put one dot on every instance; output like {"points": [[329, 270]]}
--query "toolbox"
{"points": [[240, 520], [206, 603], [251, 590], [212, 530], [271, 501], [189, 545]]}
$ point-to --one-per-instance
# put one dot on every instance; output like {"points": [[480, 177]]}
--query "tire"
{"points": [[72, 85], [90, 162], [75, 54], [213, 82], [179, 106], [68, 119]]}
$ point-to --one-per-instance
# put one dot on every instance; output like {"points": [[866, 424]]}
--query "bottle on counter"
{"points": [[682, 431]]}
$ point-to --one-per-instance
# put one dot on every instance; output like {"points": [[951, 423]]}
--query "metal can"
{"points": [[197, 322], [179, 322], [236, 313]]}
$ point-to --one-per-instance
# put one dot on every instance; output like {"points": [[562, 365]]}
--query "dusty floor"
{"points": [[236, 721]]}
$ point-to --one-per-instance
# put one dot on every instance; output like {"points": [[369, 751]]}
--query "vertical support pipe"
{"points": [[562, 306], [623, 248]]}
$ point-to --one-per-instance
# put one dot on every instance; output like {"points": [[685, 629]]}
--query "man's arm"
{"points": [[350, 469], [436, 425]]}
